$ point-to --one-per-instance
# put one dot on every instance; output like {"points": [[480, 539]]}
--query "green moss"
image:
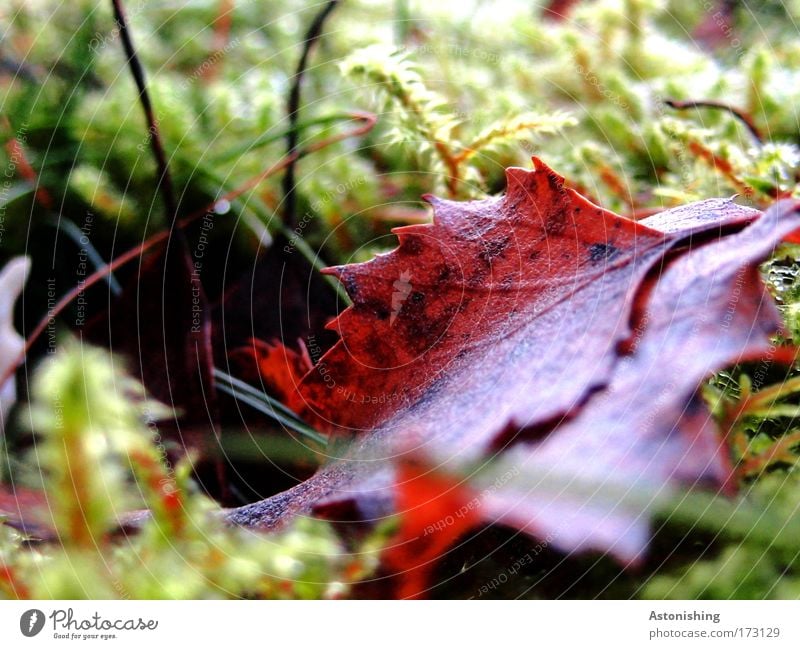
{"points": [[97, 449]]}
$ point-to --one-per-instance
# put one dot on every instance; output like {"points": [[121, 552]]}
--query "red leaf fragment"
{"points": [[281, 368], [26, 509], [434, 512], [708, 310]]}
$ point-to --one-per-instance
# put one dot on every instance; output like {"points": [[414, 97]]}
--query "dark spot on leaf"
{"points": [[556, 223], [603, 252], [350, 285], [412, 246], [375, 307], [494, 249], [556, 184]]}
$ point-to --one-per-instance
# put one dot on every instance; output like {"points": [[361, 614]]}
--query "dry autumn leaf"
{"points": [[473, 319], [519, 310]]}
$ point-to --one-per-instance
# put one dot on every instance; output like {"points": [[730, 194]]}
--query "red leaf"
{"points": [[519, 310], [474, 318]]}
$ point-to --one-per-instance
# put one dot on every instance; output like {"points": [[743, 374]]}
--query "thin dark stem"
{"points": [[154, 135], [718, 105], [293, 108]]}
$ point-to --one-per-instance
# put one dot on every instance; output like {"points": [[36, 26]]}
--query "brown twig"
{"points": [[293, 108], [738, 113], [721, 165], [781, 451], [222, 24], [209, 70], [15, 151], [399, 214], [156, 145], [616, 185]]}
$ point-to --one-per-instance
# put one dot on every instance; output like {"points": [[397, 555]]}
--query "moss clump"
{"points": [[98, 456]]}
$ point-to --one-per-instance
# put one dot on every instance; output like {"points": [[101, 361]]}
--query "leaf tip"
{"points": [[333, 271]]}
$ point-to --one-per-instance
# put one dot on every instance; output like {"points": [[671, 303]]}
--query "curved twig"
{"points": [[156, 144], [293, 108], [739, 114]]}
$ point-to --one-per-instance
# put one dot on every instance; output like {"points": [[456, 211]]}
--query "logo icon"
{"points": [[31, 622], [402, 289]]}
